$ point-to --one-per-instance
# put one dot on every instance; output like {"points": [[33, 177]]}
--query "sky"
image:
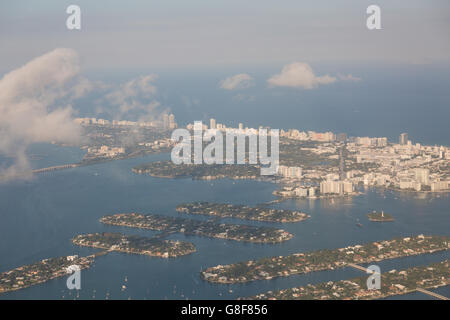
{"points": [[175, 34]]}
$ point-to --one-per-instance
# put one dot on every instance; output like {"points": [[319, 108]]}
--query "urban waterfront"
{"points": [[41, 216]]}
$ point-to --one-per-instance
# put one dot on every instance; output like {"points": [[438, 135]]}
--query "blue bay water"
{"points": [[39, 218]]}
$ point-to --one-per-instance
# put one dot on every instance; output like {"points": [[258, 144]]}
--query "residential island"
{"points": [[392, 283], [40, 272], [380, 217], [167, 169], [326, 259], [198, 228], [135, 244], [225, 210]]}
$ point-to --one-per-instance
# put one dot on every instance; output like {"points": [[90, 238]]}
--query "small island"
{"points": [[135, 244], [198, 228], [380, 217], [42, 271], [326, 259], [392, 283], [225, 210]]}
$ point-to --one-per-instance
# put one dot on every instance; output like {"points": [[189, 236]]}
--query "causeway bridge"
{"points": [[54, 168], [430, 293]]}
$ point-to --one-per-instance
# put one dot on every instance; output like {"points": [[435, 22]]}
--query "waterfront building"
{"points": [[336, 187], [422, 176], [403, 139], [172, 123], [290, 172], [437, 186], [166, 121]]}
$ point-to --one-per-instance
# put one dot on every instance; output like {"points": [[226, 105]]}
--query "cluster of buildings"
{"points": [[404, 166], [312, 135], [367, 161], [158, 144], [106, 151], [331, 137], [167, 122], [290, 172], [213, 125]]}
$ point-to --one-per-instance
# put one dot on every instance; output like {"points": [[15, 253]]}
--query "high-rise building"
{"points": [[165, 121], [336, 187], [172, 123], [341, 163], [422, 176], [290, 172], [403, 140], [341, 137], [241, 126], [212, 123]]}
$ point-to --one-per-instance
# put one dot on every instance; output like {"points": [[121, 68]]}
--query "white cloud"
{"points": [[299, 75], [135, 98], [28, 96], [349, 77], [238, 81]]}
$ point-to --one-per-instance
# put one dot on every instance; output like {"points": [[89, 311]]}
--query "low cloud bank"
{"points": [[35, 106]]}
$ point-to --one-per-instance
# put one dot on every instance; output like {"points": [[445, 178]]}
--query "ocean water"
{"points": [[39, 217]]}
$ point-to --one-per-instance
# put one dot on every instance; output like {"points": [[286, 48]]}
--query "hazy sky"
{"points": [[145, 34]]}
